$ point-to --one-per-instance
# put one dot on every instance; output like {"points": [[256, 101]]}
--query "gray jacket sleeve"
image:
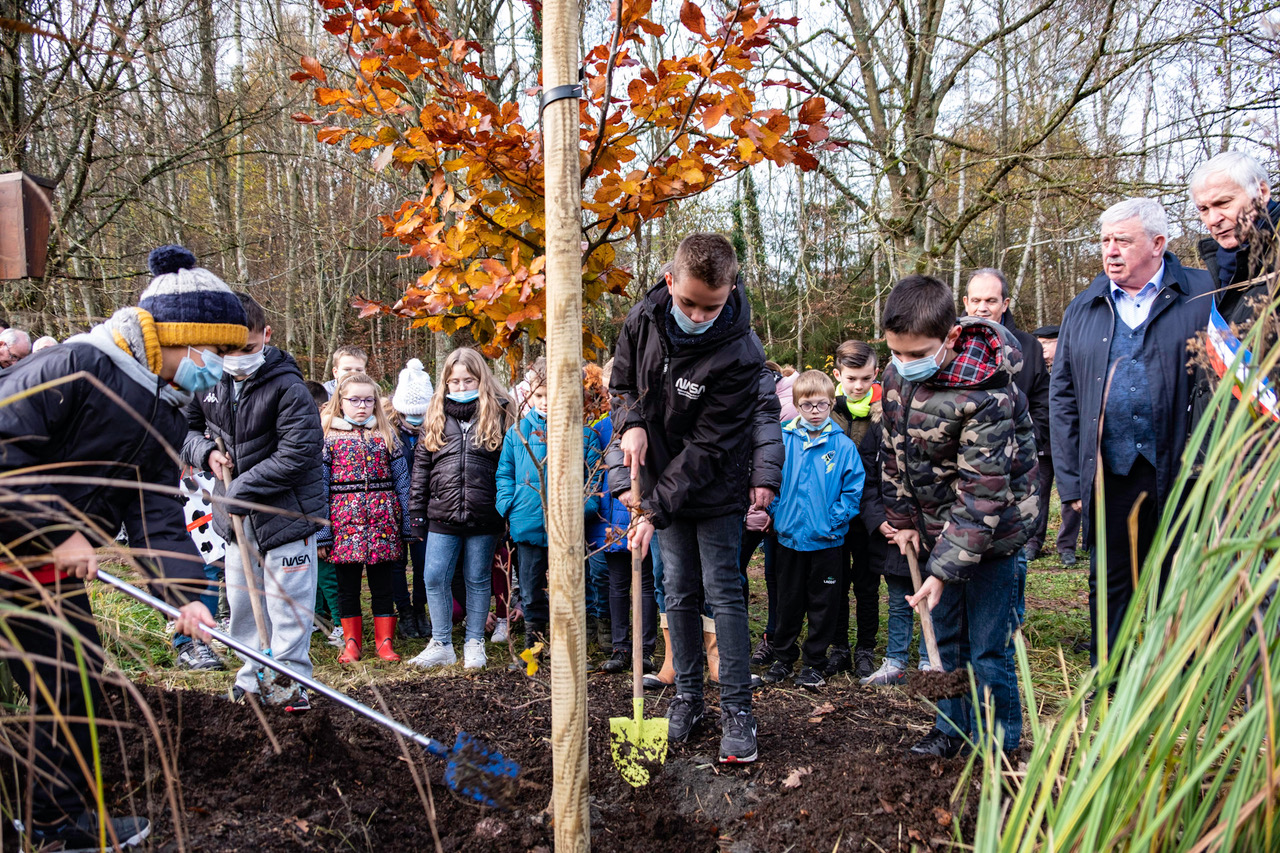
{"points": [[196, 448]]}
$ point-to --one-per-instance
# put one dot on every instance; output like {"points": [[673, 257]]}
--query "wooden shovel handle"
{"points": [[237, 527], [926, 618], [637, 601]]}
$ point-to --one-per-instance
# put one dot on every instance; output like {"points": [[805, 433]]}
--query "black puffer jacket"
{"points": [[768, 455], [454, 489], [696, 397], [86, 433], [272, 432]]}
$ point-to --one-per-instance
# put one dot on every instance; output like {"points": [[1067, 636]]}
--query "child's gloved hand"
{"points": [[757, 519]]}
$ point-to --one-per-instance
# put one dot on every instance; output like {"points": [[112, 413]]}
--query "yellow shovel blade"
{"points": [[639, 746]]}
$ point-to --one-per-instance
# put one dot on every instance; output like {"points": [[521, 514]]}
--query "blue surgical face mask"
{"points": [[367, 422], [413, 420], [918, 369], [192, 377], [687, 325], [819, 428], [464, 396]]}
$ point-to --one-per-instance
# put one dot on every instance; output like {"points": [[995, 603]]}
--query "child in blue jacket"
{"points": [[522, 473], [821, 492]]}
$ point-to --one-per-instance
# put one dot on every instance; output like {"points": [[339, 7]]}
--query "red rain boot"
{"points": [[352, 638], [384, 628]]}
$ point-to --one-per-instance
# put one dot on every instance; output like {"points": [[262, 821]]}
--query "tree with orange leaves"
{"points": [[413, 92]]}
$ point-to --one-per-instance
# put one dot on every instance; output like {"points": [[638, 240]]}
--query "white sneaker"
{"points": [[499, 632], [335, 637], [473, 656], [435, 654], [925, 666]]}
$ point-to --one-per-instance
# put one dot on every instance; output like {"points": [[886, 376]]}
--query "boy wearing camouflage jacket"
{"points": [[960, 485]]}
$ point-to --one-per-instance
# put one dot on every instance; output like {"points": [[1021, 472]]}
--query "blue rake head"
{"points": [[476, 772]]}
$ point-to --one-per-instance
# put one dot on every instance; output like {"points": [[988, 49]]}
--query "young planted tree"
{"points": [[414, 94]]}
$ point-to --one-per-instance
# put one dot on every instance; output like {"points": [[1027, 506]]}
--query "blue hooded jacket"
{"points": [[521, 471], [821, 487], [607, 529]]}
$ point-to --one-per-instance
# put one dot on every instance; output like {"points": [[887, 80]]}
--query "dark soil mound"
{"points": [[833, 770]]}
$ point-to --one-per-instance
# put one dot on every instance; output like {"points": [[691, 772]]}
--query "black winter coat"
{"points": [[273, 434], [1033, 381], [696, 397], [1080, 371], [883, 556], [454, 489], [768, 454], [81, 430]]}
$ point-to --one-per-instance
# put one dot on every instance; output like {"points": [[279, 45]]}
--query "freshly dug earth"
{"points": [[833, 771]]}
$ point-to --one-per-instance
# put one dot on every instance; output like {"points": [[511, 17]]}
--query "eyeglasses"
{"points": [[362, 402], [820, 406]]}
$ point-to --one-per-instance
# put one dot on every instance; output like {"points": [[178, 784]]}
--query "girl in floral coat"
{"points": [[368, 483]]}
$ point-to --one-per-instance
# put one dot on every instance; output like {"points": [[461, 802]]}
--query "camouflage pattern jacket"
{"points": [[958, 454]]}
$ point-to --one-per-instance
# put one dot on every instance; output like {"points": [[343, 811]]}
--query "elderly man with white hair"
{"points": [[15, 345], [1129, 329], [1232, 194]]}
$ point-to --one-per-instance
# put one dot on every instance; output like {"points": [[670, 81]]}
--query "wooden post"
{"points": [[564, 480], [26, 214]]}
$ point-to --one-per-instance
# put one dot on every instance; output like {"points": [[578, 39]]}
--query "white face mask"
{"points": [[243, 366]]}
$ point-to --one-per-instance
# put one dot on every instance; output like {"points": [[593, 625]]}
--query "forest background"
{"points": [[962, 134]]}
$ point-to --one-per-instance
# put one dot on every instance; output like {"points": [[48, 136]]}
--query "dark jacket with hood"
{"points": [[959, 454], [696, 396], [1230, 268], [1081, 368], [1032, 380], [455, 488], [272, 432], [79, 428]]}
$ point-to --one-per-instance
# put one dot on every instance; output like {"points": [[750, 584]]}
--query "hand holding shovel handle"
{"points": [[926, 618]]}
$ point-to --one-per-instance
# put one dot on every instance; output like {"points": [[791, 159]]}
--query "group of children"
{"points": [[449, 484]]}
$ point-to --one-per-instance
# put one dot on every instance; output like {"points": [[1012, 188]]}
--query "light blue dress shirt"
{"points": [[1134, 310]]}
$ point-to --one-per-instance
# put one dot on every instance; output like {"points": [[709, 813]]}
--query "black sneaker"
{"points": [[737, 737], [684, 712], [619, 662], [939, 744], [299, 703], [81, 835], [646, 664], [809, 678], [240, 696], [778, 672], [763, 655], [407, 626], [864, 662], [1067, 558], [196, 655], [839, 661]]}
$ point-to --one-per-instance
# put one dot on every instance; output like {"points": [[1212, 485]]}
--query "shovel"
{"points": [[639, 746], [272, 691], [472, 770]]}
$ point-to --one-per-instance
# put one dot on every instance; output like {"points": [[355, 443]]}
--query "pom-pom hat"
{"points": [[190, 305], [413, 389]]}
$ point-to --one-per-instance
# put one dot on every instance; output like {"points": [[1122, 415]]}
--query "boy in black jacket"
{"points": [[270, 428], [686, 375], [112, 413]]}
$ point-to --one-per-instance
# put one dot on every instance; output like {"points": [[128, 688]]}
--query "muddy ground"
{"points": [[833, 772]]}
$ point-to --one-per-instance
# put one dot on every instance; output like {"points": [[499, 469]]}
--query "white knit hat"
{"points": [[413, 390]]}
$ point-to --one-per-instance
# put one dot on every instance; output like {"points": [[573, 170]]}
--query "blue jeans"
{"points": [[751, 540], [209, 598], [533, 586], [701, 562], [438, 566], [1021, 559], [901, 620], [597, 585], [659, 591], [974, 623]]}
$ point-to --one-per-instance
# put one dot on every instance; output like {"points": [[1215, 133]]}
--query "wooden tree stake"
{"points": [[564, 480]]}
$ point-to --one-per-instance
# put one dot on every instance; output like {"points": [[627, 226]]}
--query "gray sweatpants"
{"points": [[290, 592]]}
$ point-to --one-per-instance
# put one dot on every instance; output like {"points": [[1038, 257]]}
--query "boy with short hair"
{"points": [[857, 405], [961, 488], [821, 487], [686, 378], [348, 358], [270, 429], [103, 409]]}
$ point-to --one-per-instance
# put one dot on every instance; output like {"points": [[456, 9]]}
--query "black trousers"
{"points": [[380, 586], [865, 582], [1121, 493], [808, 585], [57, 787], [1041, 529], [619, 563]]}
